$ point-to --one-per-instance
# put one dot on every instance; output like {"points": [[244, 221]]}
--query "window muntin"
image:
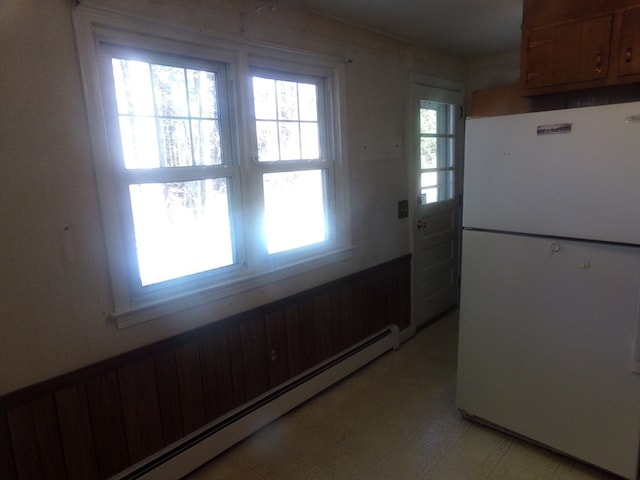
{"points": [[436, 151]]}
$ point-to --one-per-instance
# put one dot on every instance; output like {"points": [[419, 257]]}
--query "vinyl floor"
{"points": [[394, 419]]}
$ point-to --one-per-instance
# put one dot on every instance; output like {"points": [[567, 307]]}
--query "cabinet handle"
{"points": [[539, 43], [599, 62], [537, 75], [628, 55]]}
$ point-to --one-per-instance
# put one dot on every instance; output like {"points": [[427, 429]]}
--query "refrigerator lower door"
{"points": [[547, 344]]}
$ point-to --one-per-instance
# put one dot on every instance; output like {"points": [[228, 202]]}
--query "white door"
{"points": [[437, 122]]}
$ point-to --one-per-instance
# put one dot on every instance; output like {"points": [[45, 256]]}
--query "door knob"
{"points": [[421, 224]]}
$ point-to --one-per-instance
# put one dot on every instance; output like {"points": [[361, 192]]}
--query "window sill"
{"points": [[138, 314]]}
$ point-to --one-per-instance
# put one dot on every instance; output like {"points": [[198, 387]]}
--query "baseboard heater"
{"points": [[178, 459]]}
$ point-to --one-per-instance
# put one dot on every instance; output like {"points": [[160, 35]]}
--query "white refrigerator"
{"points": [[549, 345]]}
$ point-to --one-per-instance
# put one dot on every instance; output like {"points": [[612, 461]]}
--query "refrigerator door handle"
{"points": [[636, 357]]}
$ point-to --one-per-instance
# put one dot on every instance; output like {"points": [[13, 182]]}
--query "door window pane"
{"points": [[436, 151], [436, 186], [294, 204], [436, 118], [181, 228]]}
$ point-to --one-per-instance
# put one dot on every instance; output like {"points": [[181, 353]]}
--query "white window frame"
{"points": [[96, 29]]}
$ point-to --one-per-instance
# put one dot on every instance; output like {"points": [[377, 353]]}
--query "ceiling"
{"points": [[457, 27]]}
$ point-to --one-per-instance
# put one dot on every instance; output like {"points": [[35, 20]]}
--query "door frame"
{"points": [[412, 153]]}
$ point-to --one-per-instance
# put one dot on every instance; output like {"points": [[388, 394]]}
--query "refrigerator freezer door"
{"points": [[573, 173], [547, 344]]}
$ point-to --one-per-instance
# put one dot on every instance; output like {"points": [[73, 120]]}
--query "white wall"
{"points": [[54, 283]]}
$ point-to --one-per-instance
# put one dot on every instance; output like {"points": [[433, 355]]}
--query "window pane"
{"points": [[139, 142], [428, 120], [436, 118], [428, 152], [175, 143], [207, 149], [287, 100], [310, 141], [428, 179], [289, 141], [203, 98], [132, 81], [436, 152], [294, 209], [268, 149], [308, 102], [170, 91], [264, 98], [181, 228]]}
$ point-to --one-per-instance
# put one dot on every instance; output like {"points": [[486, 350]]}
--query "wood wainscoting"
{"points": [[97, 421]]}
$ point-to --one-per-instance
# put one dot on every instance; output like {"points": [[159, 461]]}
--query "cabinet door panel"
{"points": [[630, 44], [574, 52]]}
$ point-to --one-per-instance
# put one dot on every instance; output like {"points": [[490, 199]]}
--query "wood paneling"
{"points": [[99, 420], [249, 360], [76, 433], [276, 333], [25, 444], [36, 440], [7, 464], [169, 396], [190, 385], [48, 439], [216, 374], [107, 420], [141, 409]]}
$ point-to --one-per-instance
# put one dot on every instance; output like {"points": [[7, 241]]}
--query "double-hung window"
{"points": [[171, 159], [218, 170], [292, 159]]}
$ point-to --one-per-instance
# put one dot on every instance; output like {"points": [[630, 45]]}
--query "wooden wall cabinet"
{"points": [[570, 45]]}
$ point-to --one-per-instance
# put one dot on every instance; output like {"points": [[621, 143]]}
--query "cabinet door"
{"points": [[630, 43], [570, 53]]}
